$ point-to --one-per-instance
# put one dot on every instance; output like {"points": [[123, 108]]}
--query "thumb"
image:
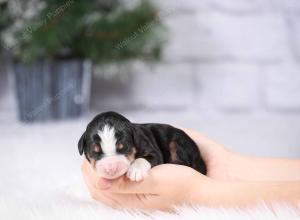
{"points": [[103, 184], [123, 185]]}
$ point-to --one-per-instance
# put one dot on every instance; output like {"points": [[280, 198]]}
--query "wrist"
{"points": [[233, 161], [220, 166], [262, 169], [209, 192], [201, 190], [213, 193]]}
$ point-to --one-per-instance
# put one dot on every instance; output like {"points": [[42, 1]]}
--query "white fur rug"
{"points": [[74, 203], [40, 162]]}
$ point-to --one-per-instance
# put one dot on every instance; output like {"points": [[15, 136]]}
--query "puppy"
{"points": [[115, 146]]}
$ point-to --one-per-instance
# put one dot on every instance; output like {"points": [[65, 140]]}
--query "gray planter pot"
{"points": [[48, 90]]}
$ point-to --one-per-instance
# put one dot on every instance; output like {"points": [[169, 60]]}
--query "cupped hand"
{"points": [[166, 185], [215, 156]]}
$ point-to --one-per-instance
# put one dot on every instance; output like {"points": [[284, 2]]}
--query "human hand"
{"points": [[166, 185], [215, 156], [226, 165]]}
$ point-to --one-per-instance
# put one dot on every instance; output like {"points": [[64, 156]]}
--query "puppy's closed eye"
{"points": [[96, 138]]}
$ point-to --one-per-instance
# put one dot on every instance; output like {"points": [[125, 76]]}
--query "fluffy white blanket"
{"points": [[74, 203], [41, 163]]}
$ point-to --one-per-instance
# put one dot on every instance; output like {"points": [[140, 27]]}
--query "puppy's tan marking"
{"points": [[97, 148], [173, 151], [131, 155], [120, 146]]}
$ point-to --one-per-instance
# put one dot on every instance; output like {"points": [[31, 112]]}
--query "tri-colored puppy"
{"points": [[115, 146]]}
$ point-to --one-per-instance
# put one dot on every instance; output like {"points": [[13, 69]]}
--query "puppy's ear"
{"points": [[82, 143]]}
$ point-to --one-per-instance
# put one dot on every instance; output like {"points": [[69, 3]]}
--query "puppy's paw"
{"points": [[138, 169]]}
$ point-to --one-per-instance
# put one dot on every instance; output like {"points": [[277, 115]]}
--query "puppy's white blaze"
{"points": [[108, 140]]}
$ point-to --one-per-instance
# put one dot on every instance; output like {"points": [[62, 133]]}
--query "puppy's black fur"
{"points": [[157, 143]]}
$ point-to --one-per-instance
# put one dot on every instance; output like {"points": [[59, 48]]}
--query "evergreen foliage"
{"points": [[100, 30]]}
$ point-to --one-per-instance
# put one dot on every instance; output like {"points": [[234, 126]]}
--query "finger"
{"points": [[103, 183], [158, 203], [100, 196], [157, 181], [88, 172], [125, 186], [133, 201], [145, 202], [109, 198], [91, 177]]}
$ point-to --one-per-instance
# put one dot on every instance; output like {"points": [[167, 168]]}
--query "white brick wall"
{"points": [[223, 56], [183, 6], [294, 24], [290, 6], [158, 87], [251, 38], [164, 86], [218, 36], [241, 6], [229, 87], [282, 91]]}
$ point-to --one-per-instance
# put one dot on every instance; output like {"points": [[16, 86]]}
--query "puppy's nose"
{"points": [[111, 168]]}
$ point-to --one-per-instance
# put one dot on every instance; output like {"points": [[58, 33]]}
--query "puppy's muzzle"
{"points": [[111, 167]]}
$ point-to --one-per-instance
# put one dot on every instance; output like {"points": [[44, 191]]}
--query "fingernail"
{"points": [[104, 184]]}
